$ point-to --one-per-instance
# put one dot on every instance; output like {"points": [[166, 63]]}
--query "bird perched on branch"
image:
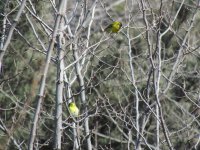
{"points": [[73, 109], [113, 27]]}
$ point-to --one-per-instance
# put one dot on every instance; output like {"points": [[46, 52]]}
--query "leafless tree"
{"points": [[136, 89]]}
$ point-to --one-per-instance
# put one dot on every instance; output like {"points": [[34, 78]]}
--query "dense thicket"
{"points": [[137, 89]]}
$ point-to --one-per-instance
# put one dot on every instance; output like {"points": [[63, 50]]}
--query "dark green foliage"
{"points": [[111, 93]]}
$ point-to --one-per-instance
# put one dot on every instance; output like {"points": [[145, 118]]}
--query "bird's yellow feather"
{"points": [[73, 109], [114, 27]]}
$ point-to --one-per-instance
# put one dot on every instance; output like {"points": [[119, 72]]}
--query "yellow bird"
{"points": [[73, 109], [114, 27]]}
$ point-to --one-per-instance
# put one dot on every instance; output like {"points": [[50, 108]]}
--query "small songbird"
{"points": [[114, 27], [73, 109]]}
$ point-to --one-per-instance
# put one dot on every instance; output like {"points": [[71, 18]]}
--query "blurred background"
{"points": [[141, 85]]}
